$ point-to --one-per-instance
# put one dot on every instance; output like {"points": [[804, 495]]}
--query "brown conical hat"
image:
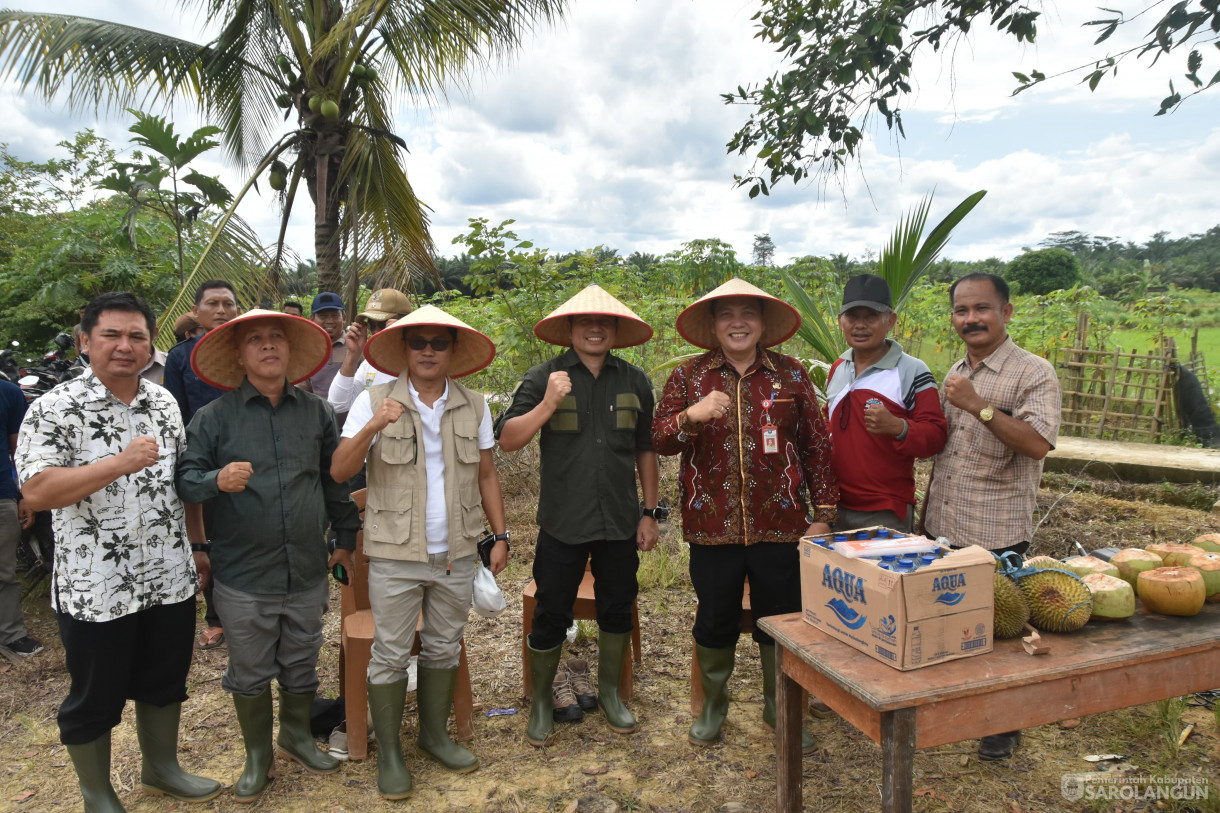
{"points": [[697, 325], [214, 358], [387, 351], [593, 300]]}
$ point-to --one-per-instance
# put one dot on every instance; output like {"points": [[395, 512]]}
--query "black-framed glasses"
{"points": [[419, 343]]}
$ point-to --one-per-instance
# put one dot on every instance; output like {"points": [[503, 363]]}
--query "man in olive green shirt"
{"points": [[594, 415], [262, 452]]}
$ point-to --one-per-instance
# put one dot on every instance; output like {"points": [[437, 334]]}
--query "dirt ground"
{"points": [[589, 768]]}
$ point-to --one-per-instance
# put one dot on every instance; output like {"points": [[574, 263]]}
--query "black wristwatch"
{"points": [[201, 548], [500, 537], [660, 513]]}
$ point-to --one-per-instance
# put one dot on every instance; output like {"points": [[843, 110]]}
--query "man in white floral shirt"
{"points": [[101, 451]]}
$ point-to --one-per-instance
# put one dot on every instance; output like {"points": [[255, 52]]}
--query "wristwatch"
{"points": [[986, 413], [501, 537], [660, 513]]}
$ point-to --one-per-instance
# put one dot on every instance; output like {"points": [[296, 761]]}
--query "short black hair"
{"points": [[116, 301], [291, 304], [208, 285], [1001, 287]]}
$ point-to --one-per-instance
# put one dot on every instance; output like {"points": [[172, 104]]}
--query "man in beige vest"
{"points": [[431, 478]]}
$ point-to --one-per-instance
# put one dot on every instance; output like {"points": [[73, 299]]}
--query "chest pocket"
{"points": [[566, 418], [466, 441], [398, 444], [626, 410]]}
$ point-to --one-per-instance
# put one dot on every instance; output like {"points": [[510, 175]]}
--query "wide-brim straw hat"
{"points": [[387, 350], [214, 358], [593, 301], [698, 326]]}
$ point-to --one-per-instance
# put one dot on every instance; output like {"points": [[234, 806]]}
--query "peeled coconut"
{"points": [[1172, 553], [1043, 562], [1084, 565], [1172, 590], [1209, 542], [1133, 561], [1113, 598], [1208, 565]]}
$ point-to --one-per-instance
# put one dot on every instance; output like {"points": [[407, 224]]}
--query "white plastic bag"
{"points": [[488, 600]]}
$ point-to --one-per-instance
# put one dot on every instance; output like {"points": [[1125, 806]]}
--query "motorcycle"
{"points": [[9, 371], [54, 368]]}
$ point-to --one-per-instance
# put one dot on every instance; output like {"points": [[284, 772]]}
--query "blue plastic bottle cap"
{"points": [[883, 534], [927, 558], [861, 534], [905, 566], [889, 557], [840, 537]]}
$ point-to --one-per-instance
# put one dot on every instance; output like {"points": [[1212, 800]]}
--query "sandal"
{"points": [[211, 638]]}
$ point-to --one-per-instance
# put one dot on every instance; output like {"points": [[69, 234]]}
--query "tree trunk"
{"points": [[326, 230]]}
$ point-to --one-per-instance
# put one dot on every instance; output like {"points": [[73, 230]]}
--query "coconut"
{"points": [[1171, 553], [1113, 598], [1209, 542], [1208, 565], [1084, 565], [1043, 562], [1172, 590], [1133, 561]]}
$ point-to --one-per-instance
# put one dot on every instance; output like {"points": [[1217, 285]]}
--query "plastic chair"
{"points": [[584, 609], [356, 650]]}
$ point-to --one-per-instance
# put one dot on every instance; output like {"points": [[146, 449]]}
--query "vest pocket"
{"points": [[398, 450], [566, 417], [472, 514], [466, 441], [626, 410], [388, 523]]}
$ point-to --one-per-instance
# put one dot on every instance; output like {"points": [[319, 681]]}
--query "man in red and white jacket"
{"points": [[883, 413]]}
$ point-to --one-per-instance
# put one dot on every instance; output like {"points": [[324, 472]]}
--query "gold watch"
{"points": [[986, 413]]}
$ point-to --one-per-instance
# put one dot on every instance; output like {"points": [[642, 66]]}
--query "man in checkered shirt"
{"points": [[1002, 404]]}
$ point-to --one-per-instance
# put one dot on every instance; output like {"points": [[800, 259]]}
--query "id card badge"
{"points": [[770, 439]]}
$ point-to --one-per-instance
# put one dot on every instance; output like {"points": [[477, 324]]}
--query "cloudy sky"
{"points": [[608, 129]]}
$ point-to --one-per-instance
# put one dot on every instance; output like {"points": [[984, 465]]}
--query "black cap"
{"points": [[867, 291]]}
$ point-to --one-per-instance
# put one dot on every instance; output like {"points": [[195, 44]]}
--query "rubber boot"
{"points": [[92, 764], [157, 730], [255, 718], [295, 740], [611, 649], [434, 696], [716, 665], [767, 656], [543, 665], [386, 701]]}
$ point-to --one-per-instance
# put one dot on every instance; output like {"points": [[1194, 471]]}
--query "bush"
{"points": [[1043, 271]]}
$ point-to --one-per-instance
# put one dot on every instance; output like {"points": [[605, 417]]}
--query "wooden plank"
{"points": [[845, 704], [898, 735], [789, 712]]}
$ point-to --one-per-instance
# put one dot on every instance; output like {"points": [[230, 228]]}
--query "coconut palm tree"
{"points": [[330, 69]]}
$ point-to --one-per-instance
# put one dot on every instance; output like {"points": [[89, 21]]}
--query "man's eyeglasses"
{"points": [[439, 345]]}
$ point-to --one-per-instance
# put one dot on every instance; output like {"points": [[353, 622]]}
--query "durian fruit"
{"points": [[1058, 600], [1011, 609], [1044, 562]]}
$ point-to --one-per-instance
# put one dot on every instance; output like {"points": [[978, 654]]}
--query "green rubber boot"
{"points": [[767, 656], [611, 649], [157, 730], [716, 665], [434, 696], [255, 718], [295, 740], [543, 665], [386, 701], [92, 764]]}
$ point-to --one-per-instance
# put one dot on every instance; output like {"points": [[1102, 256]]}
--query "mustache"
{"points": [[974, 328]]}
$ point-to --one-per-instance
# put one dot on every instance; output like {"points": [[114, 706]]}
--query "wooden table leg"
{"points": [[897, 759], [788, 714]]}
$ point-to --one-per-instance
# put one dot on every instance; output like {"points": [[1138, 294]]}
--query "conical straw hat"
{"points": [[387, 350], [214, 358], [697, 325], [593, 300]]}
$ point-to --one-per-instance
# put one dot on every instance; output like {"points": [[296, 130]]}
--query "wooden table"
{"points": [[1103, 667]]}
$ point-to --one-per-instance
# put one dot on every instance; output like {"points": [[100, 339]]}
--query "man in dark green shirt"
{"points": [[262, 452], [594, 413]]}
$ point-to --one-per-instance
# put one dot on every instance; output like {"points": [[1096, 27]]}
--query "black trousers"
{"points": [[558, 570], [144, 657], [718, 573], [210, 616]]}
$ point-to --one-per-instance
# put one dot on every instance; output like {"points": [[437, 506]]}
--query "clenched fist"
{"points": [[354, 338], [139, 454], [558, 385], [233, 477], [880, 421], [713, 406], [389, 412], [960, 392]]}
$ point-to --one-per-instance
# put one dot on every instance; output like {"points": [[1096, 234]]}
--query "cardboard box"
{"points": [[940, 612]]}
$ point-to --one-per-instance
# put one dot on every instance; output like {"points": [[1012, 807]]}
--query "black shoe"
{"points": [[24, 646], [565, 707], [999, 746]]}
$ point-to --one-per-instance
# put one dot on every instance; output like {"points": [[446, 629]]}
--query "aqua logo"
{"points": [[949, 599], [847, 614], [887, 626], [847, 585], [951, 581]]}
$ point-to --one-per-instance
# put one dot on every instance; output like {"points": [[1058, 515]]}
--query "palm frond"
{"points": [[904, 259], [824, 338]]}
